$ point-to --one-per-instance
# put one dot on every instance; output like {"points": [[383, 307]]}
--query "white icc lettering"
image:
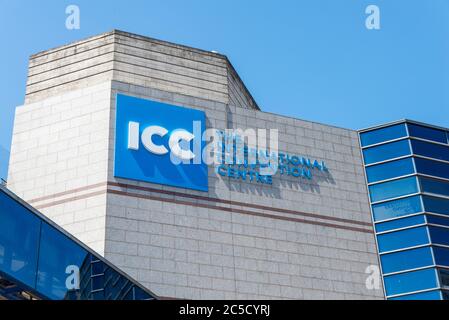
{"points": [[147, 140], [174, 141], [133, 135], [176, 137]]}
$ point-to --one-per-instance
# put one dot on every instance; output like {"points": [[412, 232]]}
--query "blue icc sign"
{"points": [[159, 143]]}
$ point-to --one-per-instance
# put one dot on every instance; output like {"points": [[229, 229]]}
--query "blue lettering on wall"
{"points": [[288, 164]]}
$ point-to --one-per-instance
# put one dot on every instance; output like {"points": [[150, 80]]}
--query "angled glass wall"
{"points": [[407, 174], [39, 260]]}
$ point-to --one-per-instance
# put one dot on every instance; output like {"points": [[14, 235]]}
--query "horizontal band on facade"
{"points": [[195, 204], [202, 198], [64, 193], [235, 210], [79, 197], [236, 203]]}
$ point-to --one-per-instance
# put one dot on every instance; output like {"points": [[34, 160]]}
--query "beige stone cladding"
{"points": [[294, 239]]}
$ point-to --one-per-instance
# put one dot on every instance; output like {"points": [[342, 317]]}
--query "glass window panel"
{"points": [[444, 278], [437, 220], [399, 223], [139, 294], [19, 238], [405, 260], [432, 168], [439, 235], [383, 134], [434, 186], [441, 255], [389, 170], [430, 150], [98, 295], [445, 294], [428, 295], [57, 252], [397, 208], [418, 131], [393, 189], [436, 205], [97, 268], [410, 281], [402, 239], [97, 282], [386, 151], [129, 295], [44, 267]]}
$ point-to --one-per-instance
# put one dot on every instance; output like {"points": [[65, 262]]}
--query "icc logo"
{"points": [[176, 138], [159, 143]]}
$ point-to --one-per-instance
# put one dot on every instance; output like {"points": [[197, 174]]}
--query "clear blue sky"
{"points": [[311, 59]]}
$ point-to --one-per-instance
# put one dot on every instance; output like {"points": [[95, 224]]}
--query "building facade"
{"points": [[91, 148], [407, 171]]}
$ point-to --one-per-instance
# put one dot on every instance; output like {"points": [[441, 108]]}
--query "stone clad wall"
{"points": [[296, 238], [59, 159]]}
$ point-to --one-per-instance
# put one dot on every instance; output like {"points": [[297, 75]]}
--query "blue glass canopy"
{"points": [[40, 260]]}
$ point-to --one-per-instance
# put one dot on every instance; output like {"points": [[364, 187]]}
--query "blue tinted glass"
{"points": [[397, 208], [428, 295], [444, 277], [57, 252], [427, 133], [393, 189], [389, 170], [439, 235], [402, 239], [399, 223], [430, 150], [97, 282], [434, 186], [410, 281], [432, 168], [437, 220], [441, 255], [97, 268], [98, 295], [405, 260], [386, 151], [445, 294], [19, 238], [139, 294], [436, 205], [383, 134]]}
